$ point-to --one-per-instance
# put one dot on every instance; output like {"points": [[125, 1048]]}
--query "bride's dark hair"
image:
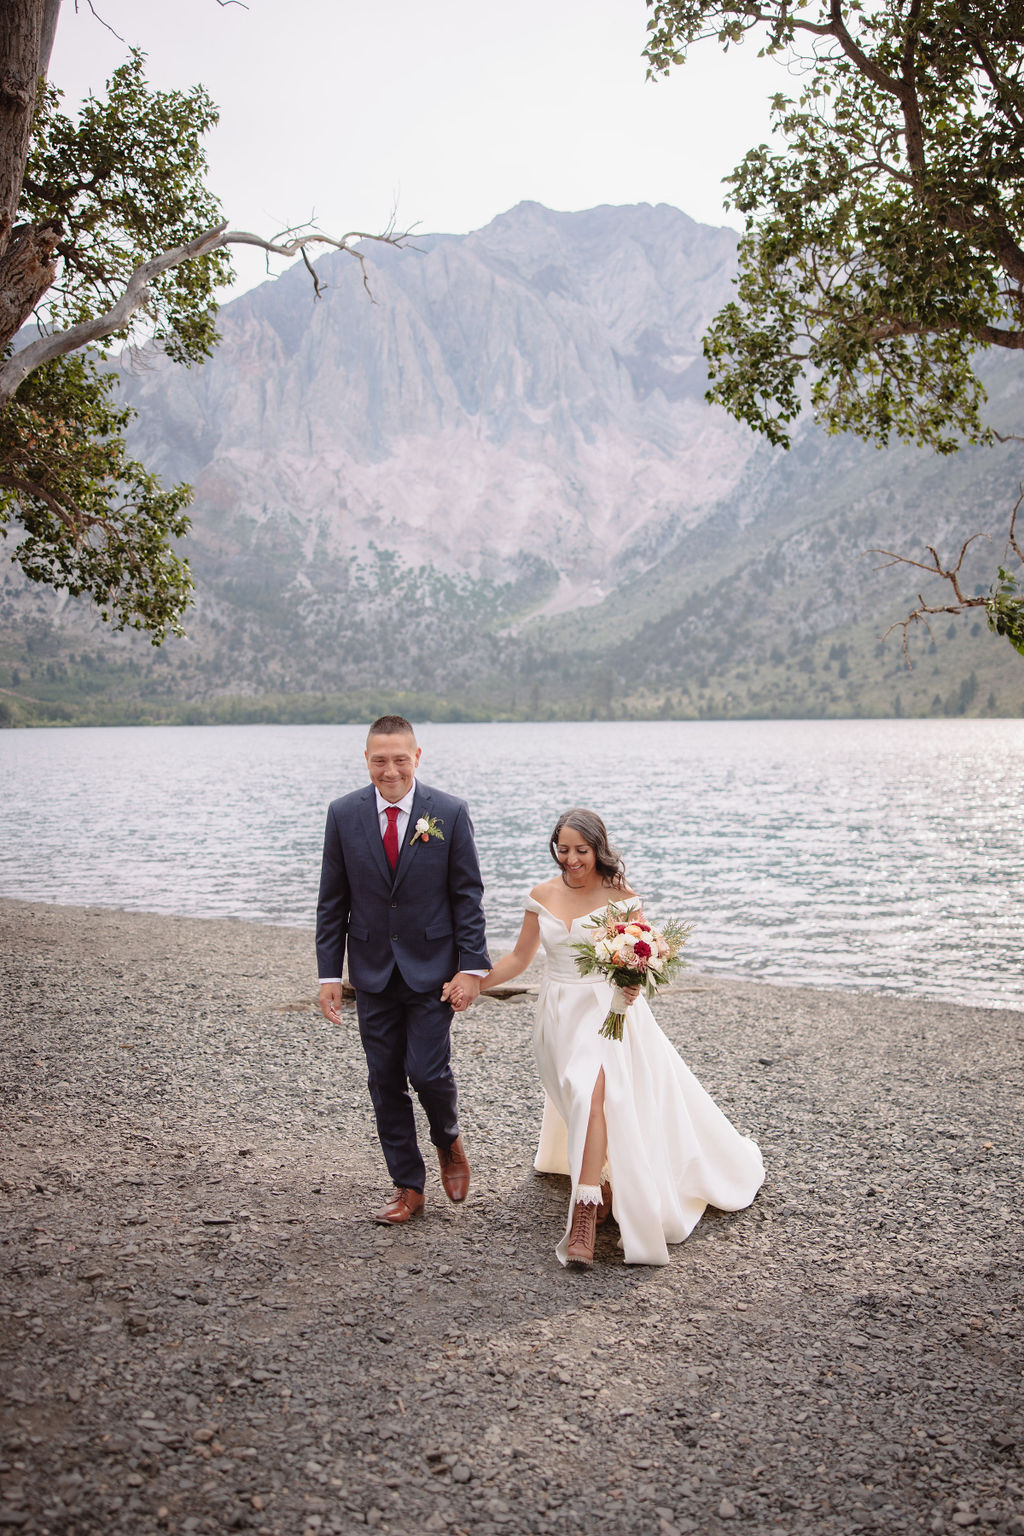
{"points": [[591, 828]]}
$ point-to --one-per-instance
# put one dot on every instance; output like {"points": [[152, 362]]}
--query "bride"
{"points": [[626, 1120]]}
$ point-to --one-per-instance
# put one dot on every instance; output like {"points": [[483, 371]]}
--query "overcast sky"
{"points": [[451, 110]]}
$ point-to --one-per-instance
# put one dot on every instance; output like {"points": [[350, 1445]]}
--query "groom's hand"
{"points": [[462, 990], [330, 1001]]}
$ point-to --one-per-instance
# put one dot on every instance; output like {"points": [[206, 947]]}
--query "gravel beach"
{"points": [[203, 1331]]}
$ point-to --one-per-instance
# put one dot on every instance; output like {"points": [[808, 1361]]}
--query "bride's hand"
{"points": [[630, 994]]}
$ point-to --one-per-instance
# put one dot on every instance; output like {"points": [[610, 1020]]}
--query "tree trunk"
{"points": [[26, 259], [27, 268]]}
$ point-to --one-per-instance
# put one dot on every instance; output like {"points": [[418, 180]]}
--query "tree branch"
{"points": [[74, 521], [100, 19], [949, 574], [1012, 537], [1008, 251], [865, 64], [16, 369], [936, 569], [987, 335], [997, 82], [913, 126], [816, 28]]}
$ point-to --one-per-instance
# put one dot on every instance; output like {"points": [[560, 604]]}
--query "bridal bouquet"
{"points": [[630, 952]]}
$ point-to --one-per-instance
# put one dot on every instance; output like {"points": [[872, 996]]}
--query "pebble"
{"points": [[259, 1355]]}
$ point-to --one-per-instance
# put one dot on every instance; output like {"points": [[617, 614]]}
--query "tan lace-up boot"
{"points": [[582, 1234]]}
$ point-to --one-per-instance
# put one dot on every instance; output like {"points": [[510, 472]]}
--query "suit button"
{"points": [[394, 904], [394, 938]]}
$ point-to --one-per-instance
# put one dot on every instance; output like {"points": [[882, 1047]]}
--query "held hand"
{"points": [[330, 1001], [630, 994], [461, 991]]}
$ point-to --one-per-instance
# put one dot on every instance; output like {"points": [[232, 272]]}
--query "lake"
{"points": [[878, 854]]}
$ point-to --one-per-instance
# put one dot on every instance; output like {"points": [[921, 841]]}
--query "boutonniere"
{"points": [[427, 827]]}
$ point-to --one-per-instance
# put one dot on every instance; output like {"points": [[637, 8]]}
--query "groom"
{"points": [[400, 885]]}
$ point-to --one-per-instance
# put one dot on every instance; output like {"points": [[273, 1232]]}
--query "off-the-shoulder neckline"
{"points": [[565, 925]]}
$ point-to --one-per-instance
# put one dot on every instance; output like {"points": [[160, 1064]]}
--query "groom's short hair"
{"points": [[391, 725]]}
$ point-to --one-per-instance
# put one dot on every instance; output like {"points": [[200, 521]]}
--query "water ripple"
{"points": [[856, 854]]}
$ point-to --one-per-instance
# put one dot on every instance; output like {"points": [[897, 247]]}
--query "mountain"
{"points": [[497, 488], [537, 382]]}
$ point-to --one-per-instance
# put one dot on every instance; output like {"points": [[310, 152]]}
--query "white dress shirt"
{"points": [[404, 812]]}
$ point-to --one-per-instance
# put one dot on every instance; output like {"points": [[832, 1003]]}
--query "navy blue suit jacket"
{"points": [[426, 918]]}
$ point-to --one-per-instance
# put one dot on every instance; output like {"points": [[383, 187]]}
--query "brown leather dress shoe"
{"points": [[454, 1170], [404, 1204], [582, 1234]]}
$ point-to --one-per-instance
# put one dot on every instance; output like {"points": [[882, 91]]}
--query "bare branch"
{"points": [[950, 574], [317, 285], [918, 616], [100, 19], [1012, 537], [936, 568], [16, 369]]}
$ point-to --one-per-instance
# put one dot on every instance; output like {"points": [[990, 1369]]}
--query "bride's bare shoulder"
{"points": [[545, 888], [626, 891]]}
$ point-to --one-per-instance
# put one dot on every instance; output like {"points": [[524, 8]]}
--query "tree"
{"points": [[108, 236], [884, 246]]}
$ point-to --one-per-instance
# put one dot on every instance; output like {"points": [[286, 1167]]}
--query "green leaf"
{"points": [[884, 244], [126, 182], [87, 518]]}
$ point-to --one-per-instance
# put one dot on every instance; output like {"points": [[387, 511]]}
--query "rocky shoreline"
{"points": [[202, 1331]]}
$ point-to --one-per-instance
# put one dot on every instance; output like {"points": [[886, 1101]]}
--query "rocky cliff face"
{"points": [[531, 391]]}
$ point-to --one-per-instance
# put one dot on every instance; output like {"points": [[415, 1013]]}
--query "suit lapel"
{"points": [[371, 826], [421, 802]]}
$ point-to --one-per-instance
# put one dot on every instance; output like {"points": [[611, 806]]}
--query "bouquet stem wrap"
{"points": [[614, 1024]]}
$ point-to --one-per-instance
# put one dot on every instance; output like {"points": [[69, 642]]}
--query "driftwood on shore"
{"points": [[202, 1331]]}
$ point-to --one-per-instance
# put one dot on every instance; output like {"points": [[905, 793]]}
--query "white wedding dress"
{"points": [[671, 1150]]}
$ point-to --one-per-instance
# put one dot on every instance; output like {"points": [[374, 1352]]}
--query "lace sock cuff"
{"points": [[588, 1194]]}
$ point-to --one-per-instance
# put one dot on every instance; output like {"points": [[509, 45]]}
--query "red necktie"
{"points": [[391, 835]]}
